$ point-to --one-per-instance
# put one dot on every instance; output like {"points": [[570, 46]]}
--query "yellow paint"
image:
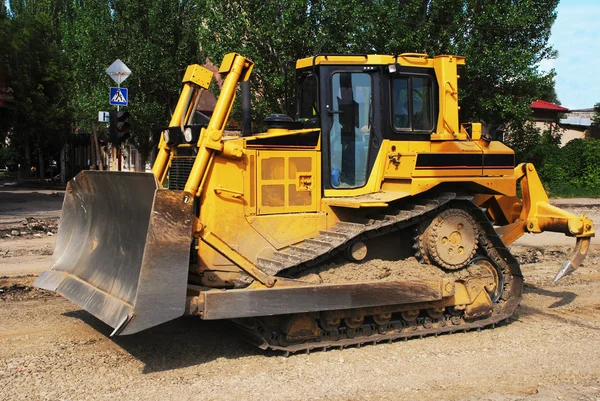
{"points": [[234, 66], [198, 75], [539, 215], [373, 183], [376, 199], [273, 133], [395, 172], [405, 60], [287, 181], [195, 78], [257, 198], [447, 77], [282, 230]]}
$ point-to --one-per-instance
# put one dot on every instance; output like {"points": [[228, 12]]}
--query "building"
{"points": [[578, 124], [547, 116], [572, 123]]}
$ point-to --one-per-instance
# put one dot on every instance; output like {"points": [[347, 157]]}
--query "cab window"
{"points": [[307, 98], [412, 103]]}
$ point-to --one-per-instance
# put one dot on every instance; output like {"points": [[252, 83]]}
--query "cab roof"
{"points": [[404, 59]]}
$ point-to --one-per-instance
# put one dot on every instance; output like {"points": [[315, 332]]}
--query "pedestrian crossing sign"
{"points": [[118, 96]]}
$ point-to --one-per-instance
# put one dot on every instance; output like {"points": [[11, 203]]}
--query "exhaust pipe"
{"points": [[246, 109]]}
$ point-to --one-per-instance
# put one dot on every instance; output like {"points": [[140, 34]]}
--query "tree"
{"points": [[269, 33], [157, 40], [596, 117], [503, 40], [37, 78], [5, 40], [88, 42]]}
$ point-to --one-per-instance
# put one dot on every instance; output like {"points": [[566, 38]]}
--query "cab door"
{"points": [[350, 125]]}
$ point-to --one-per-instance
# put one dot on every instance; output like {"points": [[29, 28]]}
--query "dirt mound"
{"points": [[372, 270], [20, 289], [526, 255], [30, 227]]}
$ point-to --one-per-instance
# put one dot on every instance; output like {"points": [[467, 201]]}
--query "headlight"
{"points": [[166, 135], [188, 135]]}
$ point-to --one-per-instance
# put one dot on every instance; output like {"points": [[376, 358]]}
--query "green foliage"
{"points": [[37, 76], [596, 117], [157, 40], [59, 82], [86, 28], [9, 156], [59, 50], [571, 170], [269, 33], [5, 45], [531, 145], [502, 40], [591, 161]]}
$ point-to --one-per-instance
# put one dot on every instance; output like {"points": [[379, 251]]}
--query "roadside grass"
{"points": [[566, 190], [6, 175]]}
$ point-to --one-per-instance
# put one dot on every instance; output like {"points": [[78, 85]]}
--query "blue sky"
{"points": [[576, 36]]}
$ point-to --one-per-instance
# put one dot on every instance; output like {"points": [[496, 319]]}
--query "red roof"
{"points": [[544, 105]]}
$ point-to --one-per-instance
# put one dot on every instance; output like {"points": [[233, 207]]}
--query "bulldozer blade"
{"points": [[122, 250], [575, 258]]}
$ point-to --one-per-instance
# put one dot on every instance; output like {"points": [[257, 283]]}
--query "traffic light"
{"points": [[119, 126]]}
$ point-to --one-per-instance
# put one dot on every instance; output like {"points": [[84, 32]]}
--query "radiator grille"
{"points": [[179, 172]]}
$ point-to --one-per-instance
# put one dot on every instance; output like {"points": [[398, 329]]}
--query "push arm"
{"points": [[238, 69]]}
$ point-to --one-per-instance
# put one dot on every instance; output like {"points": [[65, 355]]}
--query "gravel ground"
{"points": [[52, 350]]}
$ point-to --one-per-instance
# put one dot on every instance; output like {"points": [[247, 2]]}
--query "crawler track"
{"points": [[315, 251]]}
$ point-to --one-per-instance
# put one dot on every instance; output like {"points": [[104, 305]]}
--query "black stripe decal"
{"points": [[462, 160], [499, 161]]}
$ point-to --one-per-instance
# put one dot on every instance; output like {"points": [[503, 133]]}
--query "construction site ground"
{"points": [[51, 349]]}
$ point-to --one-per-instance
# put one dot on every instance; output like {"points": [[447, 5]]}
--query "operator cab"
{"points": [[358, 101]]}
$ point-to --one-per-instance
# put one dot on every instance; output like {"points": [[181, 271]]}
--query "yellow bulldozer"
{"points": [[374, 166]]}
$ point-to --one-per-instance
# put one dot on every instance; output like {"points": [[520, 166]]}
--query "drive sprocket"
{"points": [[450, 240]]}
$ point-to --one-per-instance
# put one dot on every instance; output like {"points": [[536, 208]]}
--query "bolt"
{"points": [[459, 226], [444, 240]]}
